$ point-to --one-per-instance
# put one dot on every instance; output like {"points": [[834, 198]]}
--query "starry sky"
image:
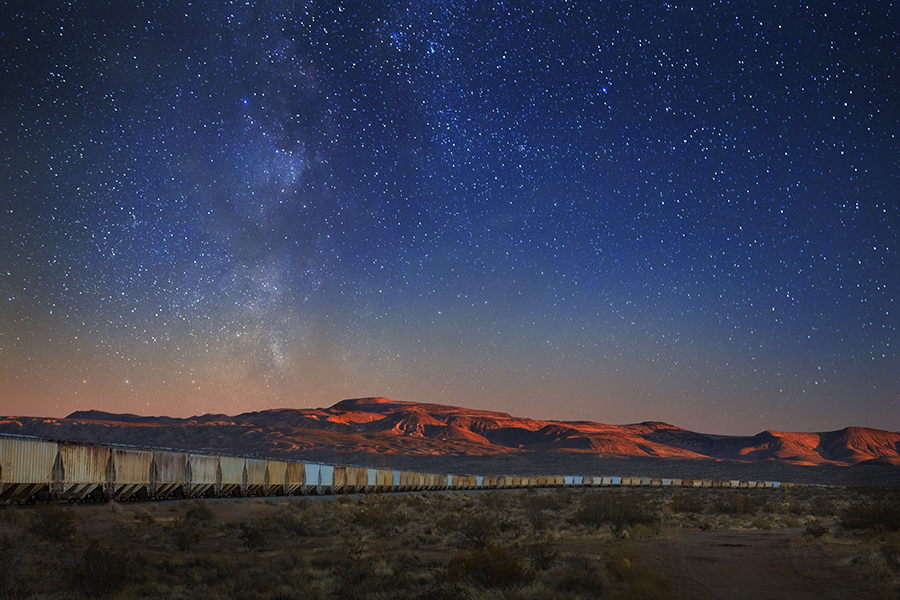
{"points": [[573, 210]]}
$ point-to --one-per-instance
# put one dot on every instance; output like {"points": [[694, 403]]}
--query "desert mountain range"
{"points": [[369, 427]]}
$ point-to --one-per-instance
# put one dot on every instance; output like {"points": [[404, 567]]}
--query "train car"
{"points": [[396, 480], [130, 474], [257, 477], [311, 478], [326, 479], [80, 471], [293, 478], [665, 482], [277, 480], [339, 483], [26, 468], [231, 481], [351, 481], [384, 479], [361, 479], [168, 474], [203, 475]]}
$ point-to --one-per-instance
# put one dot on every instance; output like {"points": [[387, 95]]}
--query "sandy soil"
{"points": [[744, 565]]}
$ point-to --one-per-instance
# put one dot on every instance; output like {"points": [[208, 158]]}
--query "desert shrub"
{"points": [[540, 553], [577, 575], [821, 507], [53, 523], [539, 509], [685, 503], [143, 517], [185, 533], [879, 514], [740, 503], [12, 563], [358, 573], [102, 570], [495, 501], [815, 529], [471, 529], [199, 571], [292, 521], [254, 534], [647, 585], [891, 553], [492, 567], [617, 510], [199, 512], [620, 564], [379, 515], [798, 508], [763, 522], [418, 501]]}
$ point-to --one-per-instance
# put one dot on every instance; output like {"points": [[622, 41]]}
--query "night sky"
{"points": [[565, 210]]}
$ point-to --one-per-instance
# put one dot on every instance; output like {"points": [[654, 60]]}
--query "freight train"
{"points": [[34, 469]]}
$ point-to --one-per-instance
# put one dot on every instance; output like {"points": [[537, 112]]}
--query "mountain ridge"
{"points": [[381, 426]]}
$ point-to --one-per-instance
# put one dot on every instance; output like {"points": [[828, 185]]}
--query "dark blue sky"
{"points": [[571, 210]]}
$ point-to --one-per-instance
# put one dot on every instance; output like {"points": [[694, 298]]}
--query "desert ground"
{"points": [[807, 542]]}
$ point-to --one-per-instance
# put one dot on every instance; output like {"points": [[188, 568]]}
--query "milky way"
{"points": [[570, 210]]}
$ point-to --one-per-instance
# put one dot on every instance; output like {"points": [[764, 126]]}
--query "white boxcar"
{"points": [[80, 471], [371, 480], [257, 477], [168, 474], [232, 475], [326, 479], [26, 467], [203, 475], [395, 480], [310, 478], [130, 475]]}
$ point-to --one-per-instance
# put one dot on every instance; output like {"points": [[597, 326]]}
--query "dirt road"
{"points": [[744, 565]]}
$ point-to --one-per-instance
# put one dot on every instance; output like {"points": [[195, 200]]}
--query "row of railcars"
{"points": [[39, 469]]}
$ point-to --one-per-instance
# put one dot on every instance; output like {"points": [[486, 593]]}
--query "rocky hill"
{"points": [[378, 427]]}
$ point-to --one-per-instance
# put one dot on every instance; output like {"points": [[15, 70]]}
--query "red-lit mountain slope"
{"points": [[379, 426]]}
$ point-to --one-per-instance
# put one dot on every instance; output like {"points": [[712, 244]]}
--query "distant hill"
{"points": [[378, 427]]}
